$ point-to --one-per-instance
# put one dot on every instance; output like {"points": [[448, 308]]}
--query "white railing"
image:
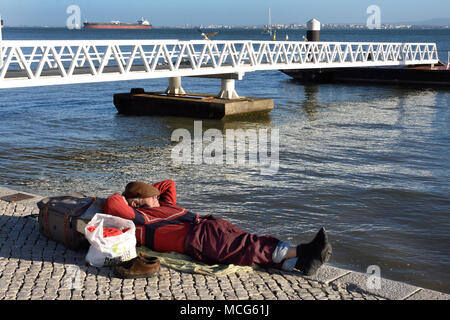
{"points": [[448, 61], [35, 63]]}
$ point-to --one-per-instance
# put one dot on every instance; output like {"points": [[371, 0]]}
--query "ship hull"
{"points": [[116, 26]]}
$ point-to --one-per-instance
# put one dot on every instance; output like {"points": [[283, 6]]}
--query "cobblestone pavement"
{"points": [[33, 267]]}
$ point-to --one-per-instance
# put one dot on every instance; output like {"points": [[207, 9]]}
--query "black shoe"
{"points": [[312, 255]]}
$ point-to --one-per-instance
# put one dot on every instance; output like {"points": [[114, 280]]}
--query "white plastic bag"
{"points": [[110, 250]]}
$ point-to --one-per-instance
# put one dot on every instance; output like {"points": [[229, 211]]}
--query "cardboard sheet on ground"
{"points": [[185, 263]]}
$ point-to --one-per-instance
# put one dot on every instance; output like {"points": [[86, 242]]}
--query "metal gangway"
{"points": [[55, 62]]}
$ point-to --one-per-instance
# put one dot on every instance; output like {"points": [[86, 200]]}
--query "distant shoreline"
{"points": [[275, 27]]}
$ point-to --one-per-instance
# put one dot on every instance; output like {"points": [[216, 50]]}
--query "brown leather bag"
{"points": [[57, 219]]}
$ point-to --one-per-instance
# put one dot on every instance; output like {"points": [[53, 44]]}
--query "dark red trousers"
{"points": [[215, 240]]}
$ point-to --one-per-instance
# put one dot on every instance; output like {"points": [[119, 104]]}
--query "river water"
{"points": [[370, 163]]}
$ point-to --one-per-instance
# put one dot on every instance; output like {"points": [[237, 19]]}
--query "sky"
{"points": [[224, 12]]}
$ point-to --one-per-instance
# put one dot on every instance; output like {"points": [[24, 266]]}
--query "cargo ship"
{"points": [[141, 24]]}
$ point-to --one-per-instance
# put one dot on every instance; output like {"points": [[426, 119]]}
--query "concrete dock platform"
{"points": [[194, 105], [33, 267]]}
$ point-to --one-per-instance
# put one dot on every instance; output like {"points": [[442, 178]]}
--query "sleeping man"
{"points": [[163, 226]]}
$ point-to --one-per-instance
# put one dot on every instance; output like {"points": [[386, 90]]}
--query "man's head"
{"points": [[139, 194]]}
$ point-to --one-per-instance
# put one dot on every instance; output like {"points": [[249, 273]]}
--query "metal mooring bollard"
{"points": [[313, 31]]}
